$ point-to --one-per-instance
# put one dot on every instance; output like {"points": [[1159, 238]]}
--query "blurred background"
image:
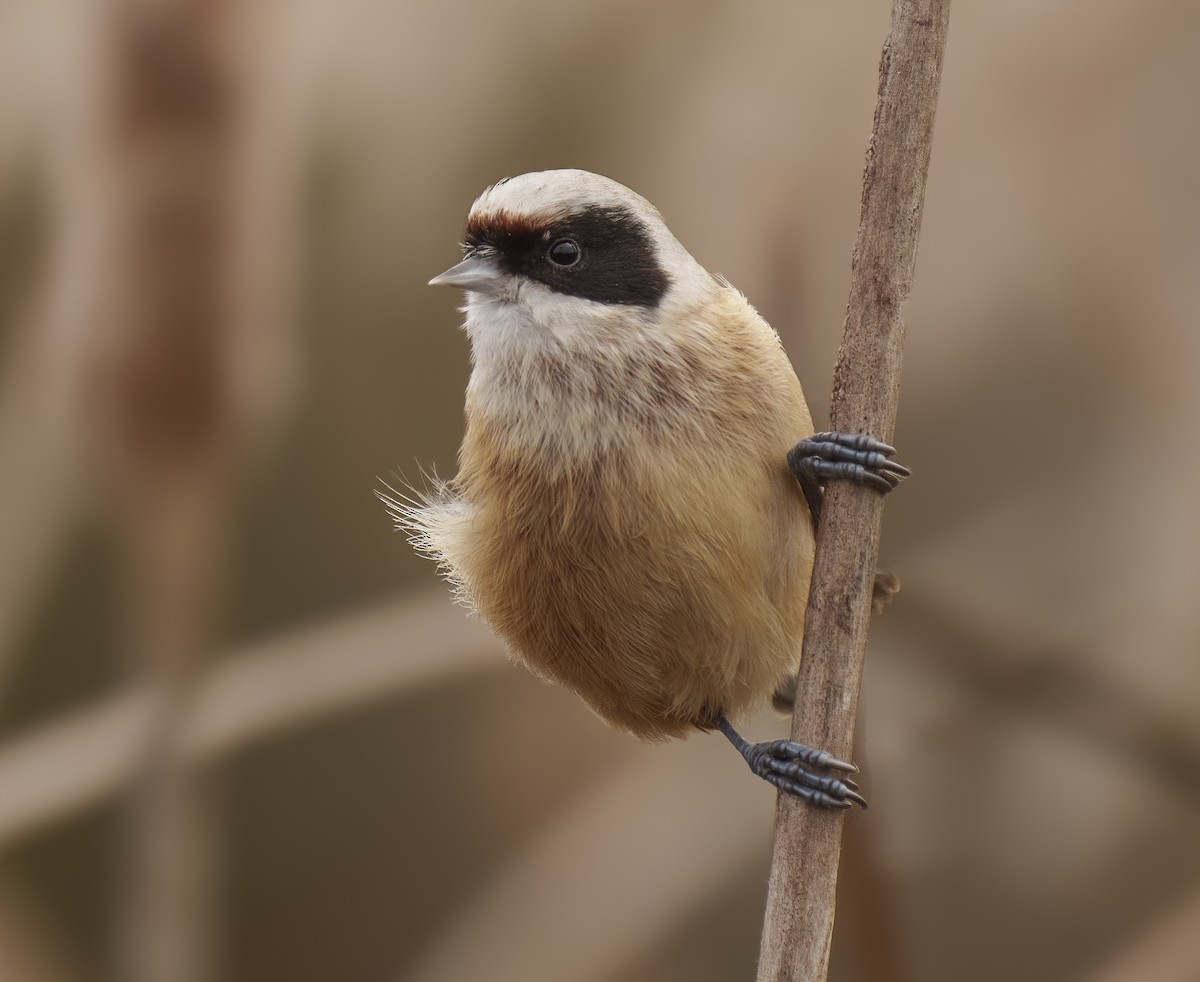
{"points": [[244, 733]]}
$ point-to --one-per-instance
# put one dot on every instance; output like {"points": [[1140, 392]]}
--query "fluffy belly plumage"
{"points": [[659, 612]]}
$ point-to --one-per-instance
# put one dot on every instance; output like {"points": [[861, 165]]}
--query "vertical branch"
{"points": [[866, 390]]}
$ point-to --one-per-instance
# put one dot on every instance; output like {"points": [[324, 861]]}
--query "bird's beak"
{"points": [[476, 272]]}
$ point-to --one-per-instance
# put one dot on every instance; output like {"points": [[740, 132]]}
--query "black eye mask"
{"points": [[615, 264]]}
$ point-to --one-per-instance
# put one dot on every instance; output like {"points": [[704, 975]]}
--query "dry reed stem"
{"points": [[866, 390]]}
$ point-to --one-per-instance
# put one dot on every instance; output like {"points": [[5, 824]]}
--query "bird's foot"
{"points": [[853, 457], [789, 766]]}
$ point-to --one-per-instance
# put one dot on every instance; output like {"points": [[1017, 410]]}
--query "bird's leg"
{"points": [[787, 764], [843, 456], [852, 457], [815, 460]]}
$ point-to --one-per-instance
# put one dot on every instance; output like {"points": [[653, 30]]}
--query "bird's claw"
{"points": [[786, 764], [855, 457]]}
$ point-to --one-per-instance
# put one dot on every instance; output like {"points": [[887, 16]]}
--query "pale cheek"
{"points": [[491, 319], [537, 320]]}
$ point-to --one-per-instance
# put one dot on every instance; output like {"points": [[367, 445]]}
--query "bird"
{"points": [[639, 479]]}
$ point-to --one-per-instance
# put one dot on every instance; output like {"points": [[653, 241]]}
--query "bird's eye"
{"points": [[565, 252]]}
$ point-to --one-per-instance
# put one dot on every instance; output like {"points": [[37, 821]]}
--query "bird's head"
{"points": [[561, 252]]}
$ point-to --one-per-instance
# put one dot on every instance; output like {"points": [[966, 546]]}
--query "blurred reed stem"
{"points": [[164, 430]]}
